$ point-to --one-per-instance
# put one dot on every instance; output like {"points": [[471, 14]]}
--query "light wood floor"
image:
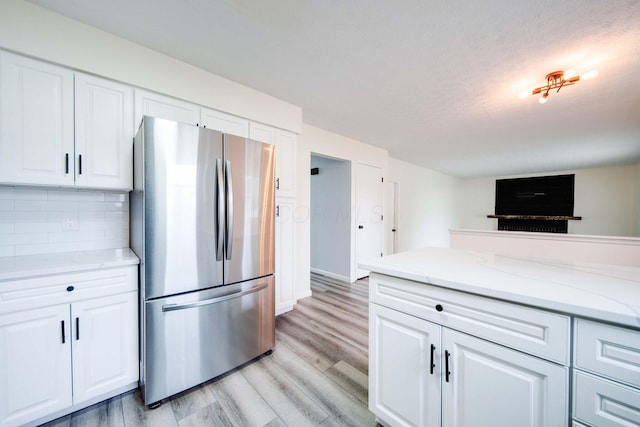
{"points": [[316, 376]]}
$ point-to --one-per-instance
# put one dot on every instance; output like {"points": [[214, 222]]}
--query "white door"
{"points": [[285, 244], [164, 107], [36, 122], [491, 385], [369, 230], [35, 364], [404, 364], [391, 217], [105, 344], [104, 133]]}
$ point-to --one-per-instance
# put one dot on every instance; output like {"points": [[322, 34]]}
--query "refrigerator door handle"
{"points": [[228, 244], [220, 209], [175, 307]]}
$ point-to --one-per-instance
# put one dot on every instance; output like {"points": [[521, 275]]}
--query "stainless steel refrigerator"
{"points": [[202, 223]]}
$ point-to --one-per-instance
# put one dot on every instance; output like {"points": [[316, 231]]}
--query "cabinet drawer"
{"points": [[16, 295], [603, 403], [533, 331], [608, 350]]}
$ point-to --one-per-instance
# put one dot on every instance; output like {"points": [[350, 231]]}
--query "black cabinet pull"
{"points": [[77, 328], [360, 227], [79, 164], [278, 211], [439, 307], [62, 329], [66, 163], [277, 183], [70, 288], [446, 365], [433, 365]]}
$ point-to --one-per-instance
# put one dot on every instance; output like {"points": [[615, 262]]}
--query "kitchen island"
{"points": [[470, 338]]}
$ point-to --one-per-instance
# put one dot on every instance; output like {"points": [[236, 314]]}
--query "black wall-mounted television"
{"points": [[541, 195]]}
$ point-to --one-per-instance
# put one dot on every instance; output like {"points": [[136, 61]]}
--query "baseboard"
{"points": [[331, 275]]}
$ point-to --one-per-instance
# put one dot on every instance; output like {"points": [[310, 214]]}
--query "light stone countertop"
{"points": [[603, 292], [19, 267]]}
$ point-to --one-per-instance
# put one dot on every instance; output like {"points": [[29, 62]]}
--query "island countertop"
{"points": [[603, 292]]}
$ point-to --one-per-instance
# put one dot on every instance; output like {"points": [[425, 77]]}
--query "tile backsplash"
{"points": [[36, 221]]}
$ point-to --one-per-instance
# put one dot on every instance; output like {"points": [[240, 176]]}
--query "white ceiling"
{"points": [[434, 82]]}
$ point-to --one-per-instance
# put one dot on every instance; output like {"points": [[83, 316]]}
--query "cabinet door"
{"points": [[286, 143], [36, 122], [262, 133], [104, 133], [285, 255], [491, 385], [225, 123], [404, 373], [105, 345], [164, 107], [35, 364]]}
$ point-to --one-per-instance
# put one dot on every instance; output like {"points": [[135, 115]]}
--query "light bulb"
{"points": [[591, 74], [543, 99], [569, 73]]}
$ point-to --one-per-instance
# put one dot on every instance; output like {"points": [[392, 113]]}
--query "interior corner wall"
{"points": [[428, 205], [34, 31], [603, 197], [331, 217]]}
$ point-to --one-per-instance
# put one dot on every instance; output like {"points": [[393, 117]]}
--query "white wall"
{"points": [[31, 30], [328, 144], [604, 197], [331, 217], [428, 205]]}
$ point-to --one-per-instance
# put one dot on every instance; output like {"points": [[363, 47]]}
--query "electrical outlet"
{"points": [[68, 223]]}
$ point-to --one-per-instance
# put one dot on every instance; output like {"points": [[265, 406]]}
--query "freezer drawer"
{"points": [[195, 337]]}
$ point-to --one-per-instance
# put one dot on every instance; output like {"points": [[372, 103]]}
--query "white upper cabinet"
{"points": [[262, 133], [164, 107], [224, 122], [104, 133], [285, 143], [36, 122]]}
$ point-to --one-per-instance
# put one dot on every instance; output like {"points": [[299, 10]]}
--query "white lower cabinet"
{"points": [[423, 374], [60, 358], [486, 384], [104, 339], [606, 378], [35, 364], [404, 380], [428, 365]]}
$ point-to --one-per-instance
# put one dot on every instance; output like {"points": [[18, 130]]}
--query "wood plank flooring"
{"points": [[316, 376]]}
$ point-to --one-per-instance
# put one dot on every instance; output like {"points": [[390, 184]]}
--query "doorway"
{"points": [[330, 214]]}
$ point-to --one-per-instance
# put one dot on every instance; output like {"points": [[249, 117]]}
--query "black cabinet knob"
{"points": [[361, 227], [70, 288], [439, 307]]}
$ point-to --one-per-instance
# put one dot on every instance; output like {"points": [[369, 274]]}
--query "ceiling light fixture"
{"points": [[555, 80]]}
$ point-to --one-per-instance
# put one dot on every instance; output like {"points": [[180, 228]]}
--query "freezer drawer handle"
{"points": [[174, 307]]}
